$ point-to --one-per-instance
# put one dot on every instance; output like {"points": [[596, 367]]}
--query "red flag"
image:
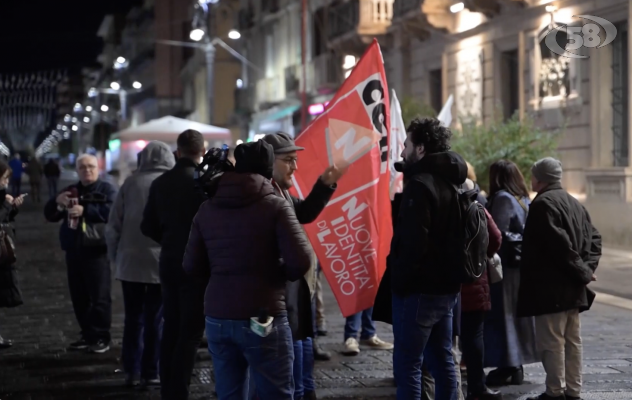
{"points": [[352, 235]]}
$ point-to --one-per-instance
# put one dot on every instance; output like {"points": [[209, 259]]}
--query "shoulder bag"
{"points": [[7, 247]]}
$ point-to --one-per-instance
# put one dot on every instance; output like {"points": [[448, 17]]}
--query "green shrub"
{"points": [[519, 141], [413, 108]]}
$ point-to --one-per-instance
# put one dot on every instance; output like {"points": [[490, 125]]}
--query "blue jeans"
{"points": [[236, 350], [303, 367], [364, 319], [52, 187], [422, 326], [143, 326]]}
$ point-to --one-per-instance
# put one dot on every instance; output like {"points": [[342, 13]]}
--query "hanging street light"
{"points": [[234, 34], [196, 35], [137, 85], [115, 85]]}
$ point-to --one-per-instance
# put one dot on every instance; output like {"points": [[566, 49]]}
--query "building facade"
{"points": [[275, 39], [491, 55]]}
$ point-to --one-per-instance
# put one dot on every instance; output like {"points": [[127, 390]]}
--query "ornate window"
{"points": [[554, 72], [557, 76]]}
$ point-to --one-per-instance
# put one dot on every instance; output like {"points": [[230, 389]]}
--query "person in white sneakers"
{"points": [[368, 336]]}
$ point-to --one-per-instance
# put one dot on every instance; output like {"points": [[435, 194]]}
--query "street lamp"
{"points": [[86, 119], [104, 108], [137, 85], [121, 63], [75, 128], [196, 35], [234, 34], [115, 85], [89, 108]]}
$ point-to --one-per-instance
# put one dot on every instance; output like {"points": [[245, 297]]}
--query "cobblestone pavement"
{"points": [[39, 367]]}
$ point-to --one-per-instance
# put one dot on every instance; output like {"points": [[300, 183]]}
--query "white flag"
{"points": [[445, 116], [398, 137]]}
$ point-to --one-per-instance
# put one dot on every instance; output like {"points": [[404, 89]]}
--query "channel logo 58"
{"points": [[588, 35]]}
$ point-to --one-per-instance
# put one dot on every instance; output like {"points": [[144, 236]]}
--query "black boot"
{"points": [[320, 354], [310, 396], [486, 394], [505, 376], [545, 396]]}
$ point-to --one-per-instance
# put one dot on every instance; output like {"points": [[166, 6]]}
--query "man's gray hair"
{"points": [[83, 157]]}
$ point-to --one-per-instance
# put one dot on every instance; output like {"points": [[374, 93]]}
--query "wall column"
{"points": [[629, 82], [522, 55]]}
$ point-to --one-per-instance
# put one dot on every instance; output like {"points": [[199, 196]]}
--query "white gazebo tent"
{"points": [[126, 144], [167, 129]]}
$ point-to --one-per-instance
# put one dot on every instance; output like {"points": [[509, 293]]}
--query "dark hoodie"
{"points": [[240, 236], [421, 250]]}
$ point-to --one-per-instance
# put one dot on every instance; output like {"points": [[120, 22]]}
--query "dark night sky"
{"points": [[37, 35]]}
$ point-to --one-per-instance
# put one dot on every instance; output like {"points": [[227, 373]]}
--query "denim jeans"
{"points": [[422, 326], [364, 319], [16, 185], [472, 326], [143, 326], [52, 187], [236, 350], [303, 367]]}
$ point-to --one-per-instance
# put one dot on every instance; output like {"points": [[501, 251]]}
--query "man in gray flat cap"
{"points": [[560, 253]]}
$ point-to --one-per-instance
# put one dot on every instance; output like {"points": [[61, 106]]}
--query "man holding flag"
{"points": [[299, 294]]}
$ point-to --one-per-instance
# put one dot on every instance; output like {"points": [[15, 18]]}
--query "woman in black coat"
{"points": [[10, 294]]}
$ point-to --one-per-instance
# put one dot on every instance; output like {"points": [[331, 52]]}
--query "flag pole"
{"points": [[304, 66]]}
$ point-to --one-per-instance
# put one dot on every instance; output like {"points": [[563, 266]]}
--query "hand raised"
{"points": [[332, 174]]}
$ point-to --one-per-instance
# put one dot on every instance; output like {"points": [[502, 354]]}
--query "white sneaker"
{"points": [[352, 347], [377, 343]]}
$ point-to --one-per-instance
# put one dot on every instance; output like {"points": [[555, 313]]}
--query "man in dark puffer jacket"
{"points": [[248, 281]]}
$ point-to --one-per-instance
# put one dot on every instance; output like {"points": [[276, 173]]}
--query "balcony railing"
{"points": [[367, 17], [402, 7], [293, 79], [270, 90], [243, 100], [326, 70]]}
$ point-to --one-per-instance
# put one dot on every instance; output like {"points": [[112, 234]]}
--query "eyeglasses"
{"points": [[289, 161], [87, 167]]}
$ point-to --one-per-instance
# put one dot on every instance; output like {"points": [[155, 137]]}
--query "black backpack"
{"points": [[473, 238]]}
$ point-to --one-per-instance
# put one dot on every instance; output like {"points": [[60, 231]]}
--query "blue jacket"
{"points": [[17, 167], [97, 200]]}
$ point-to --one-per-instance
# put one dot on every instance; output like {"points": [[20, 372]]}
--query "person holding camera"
{"points": [[246, 313], [172, 203], [84, 209]]}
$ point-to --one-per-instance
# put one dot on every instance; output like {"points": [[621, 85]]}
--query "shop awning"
{"points": [[282, 113]]}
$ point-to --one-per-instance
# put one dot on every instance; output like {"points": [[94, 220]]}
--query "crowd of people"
{"points": [[235, 263]]}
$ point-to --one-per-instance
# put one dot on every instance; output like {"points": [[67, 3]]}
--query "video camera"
{"points": [[213, 165]]}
